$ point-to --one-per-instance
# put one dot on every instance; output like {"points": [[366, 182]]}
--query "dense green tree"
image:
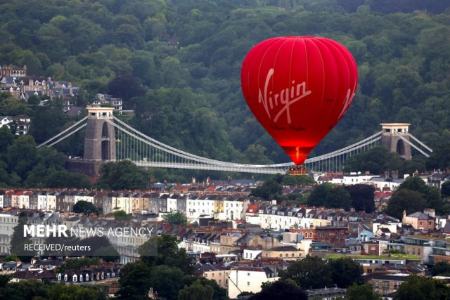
{"points": [[445, 189], [85, 207], [405, 200], [167, 281], [126, 87], [362, 196], [121, 215], [414, 195], [163, 250], [270, 189], [24, 290], [440, 158], [10, 106], [137, 278], [441, 268], [21, 155], [47, 121], [65, 179], [329, 195], [75, 292], [176, 218], [196, 291], [219, 293], [134, 281], [309, 273], [122, 175], [281, 289], [298, 180], [4, 279], [361, 292], [378, 160], [420, 288], [19, 242], [6, 139], [183, 59], [345, 272]]}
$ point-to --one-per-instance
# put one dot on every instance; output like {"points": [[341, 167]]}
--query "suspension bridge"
{"points": [[107, 138]]}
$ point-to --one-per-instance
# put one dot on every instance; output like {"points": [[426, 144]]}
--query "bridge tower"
{"points": [[99, 140], [394, 136]]}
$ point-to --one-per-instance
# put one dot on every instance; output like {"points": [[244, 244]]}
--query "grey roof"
{"points": [[420, 215]]}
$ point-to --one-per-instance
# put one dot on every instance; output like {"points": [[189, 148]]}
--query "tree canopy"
{"points": [[414, 195], [176, 218], [361, 292], [122, 175], [22, 164], [362, 196], [281, 289], [313, 273], [330, 195], [177, 63], [85, 208], [422, 288]]}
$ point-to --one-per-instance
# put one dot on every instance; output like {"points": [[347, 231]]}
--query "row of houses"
{"points": [[16, 81], [221, 207]]}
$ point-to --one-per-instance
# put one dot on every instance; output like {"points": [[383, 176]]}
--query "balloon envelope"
{"points": [[298, 87]]}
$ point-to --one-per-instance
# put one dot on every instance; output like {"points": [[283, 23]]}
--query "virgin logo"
{"points": [[286, 97], [347, 102]]}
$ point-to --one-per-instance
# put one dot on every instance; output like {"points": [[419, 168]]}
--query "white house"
{"points": [[84, 197], [46, 202], [248, 279], [197, 207], [6, 121], [234, 209], [172, 204], [352, 179], [21, 200], [7, 224], [251, 254]]}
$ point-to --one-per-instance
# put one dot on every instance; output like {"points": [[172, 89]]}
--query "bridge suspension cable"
{"points": [[420, 142], [414, 146], [141, 149], [188, 155], [47, 142], [67, 135]]}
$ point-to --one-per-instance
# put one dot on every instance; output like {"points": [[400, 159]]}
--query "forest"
{"points": [[177, 64]]}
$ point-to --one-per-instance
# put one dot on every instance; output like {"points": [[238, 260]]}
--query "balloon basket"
{"points": [[299, 170]]}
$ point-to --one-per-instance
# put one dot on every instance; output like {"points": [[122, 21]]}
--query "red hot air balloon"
{"points": [[299, 87]]}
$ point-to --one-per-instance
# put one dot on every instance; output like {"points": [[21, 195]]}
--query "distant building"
{"points": [[106, 99], [386, 284], [249, 279], [420, 220], [334, 236], [18, 125], [326, 293], [13, 71], [15, 81], [283, 252], [7, 224]]}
